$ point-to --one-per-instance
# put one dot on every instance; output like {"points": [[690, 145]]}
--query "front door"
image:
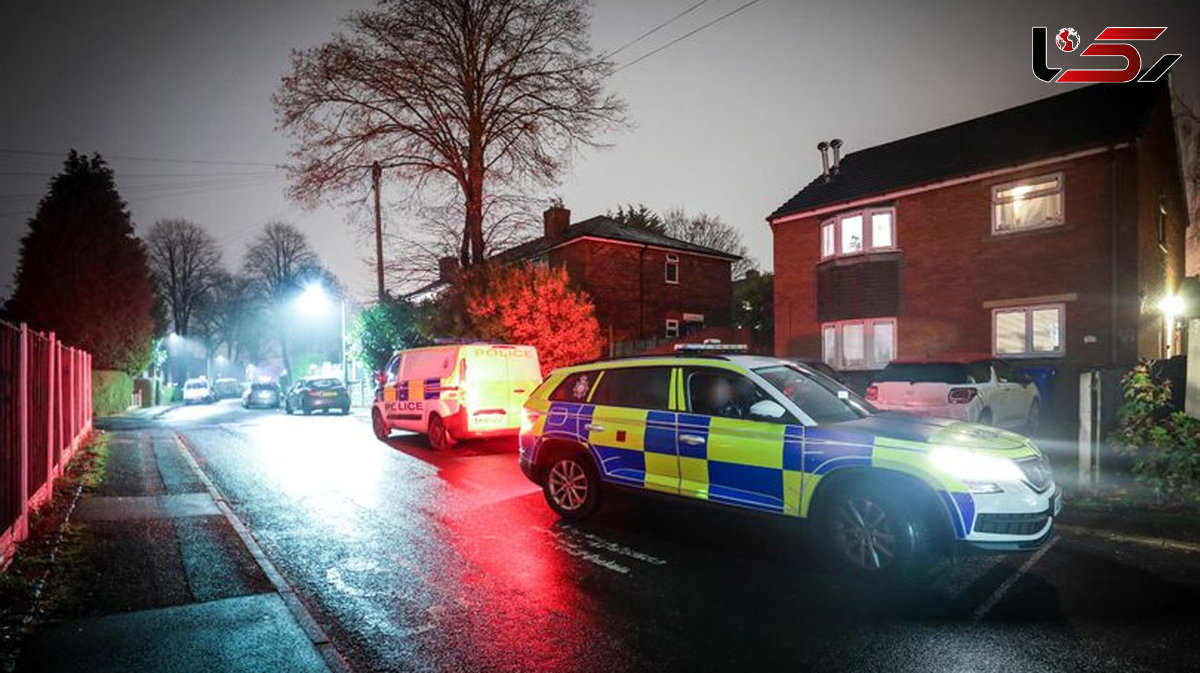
{"points": [[726, 454], [632, 429]]}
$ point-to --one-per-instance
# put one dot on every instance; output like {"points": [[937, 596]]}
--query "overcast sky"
{"points": [[726, 121]]}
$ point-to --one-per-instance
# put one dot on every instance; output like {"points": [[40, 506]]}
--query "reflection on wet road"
{"points": [[420, 561]]}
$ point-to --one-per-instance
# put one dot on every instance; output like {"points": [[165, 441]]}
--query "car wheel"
{"points": [[985, 417], [873, 533], [439, 437], [572, 486], [305, 409], [345, 411], [287, 407], [1033, 420], [382, 431]]}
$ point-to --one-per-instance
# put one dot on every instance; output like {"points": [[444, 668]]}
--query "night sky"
{"points": [[725, 121]]}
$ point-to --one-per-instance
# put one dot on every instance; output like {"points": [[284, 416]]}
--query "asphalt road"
{"points": [[420, 561]]}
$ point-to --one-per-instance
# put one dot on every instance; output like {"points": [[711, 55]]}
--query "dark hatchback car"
{"points": [[262, 396], [317, 393]]}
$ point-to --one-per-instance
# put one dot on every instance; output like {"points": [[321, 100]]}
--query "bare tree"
{"points": [[276, 267], [711, 232], [471, 93], [185, 263]]}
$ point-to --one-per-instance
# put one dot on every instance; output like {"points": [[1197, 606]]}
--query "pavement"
{"points": [[392, 557]]}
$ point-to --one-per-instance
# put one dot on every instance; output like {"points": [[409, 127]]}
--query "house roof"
{"points": [[609, 229], [1080, 119]]}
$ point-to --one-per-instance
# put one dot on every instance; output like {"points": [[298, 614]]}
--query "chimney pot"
{"points": [[556, 219], [836, 144], [823, 148]]}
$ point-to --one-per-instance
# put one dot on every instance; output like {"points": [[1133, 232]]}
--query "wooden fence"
{"points": [[45, 415]]}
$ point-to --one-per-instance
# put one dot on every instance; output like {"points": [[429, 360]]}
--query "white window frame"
{"points": [[1061, 191], [1029, 352], [868, 232], [868, 325], [672, 261], [671, 328]]}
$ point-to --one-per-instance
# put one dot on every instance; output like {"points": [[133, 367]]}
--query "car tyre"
{"points": [[871, 531], [345, 411], [305, 409], [439, 436], [571, 486], [378, 426]]}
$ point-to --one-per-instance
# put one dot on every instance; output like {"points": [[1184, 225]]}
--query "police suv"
{"points": [[888, 492]]}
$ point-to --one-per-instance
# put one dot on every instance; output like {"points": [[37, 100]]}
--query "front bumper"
{"points": [[1013, 522]]}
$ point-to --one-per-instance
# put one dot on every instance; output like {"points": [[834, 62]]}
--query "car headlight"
{"points": [[980, 474]]}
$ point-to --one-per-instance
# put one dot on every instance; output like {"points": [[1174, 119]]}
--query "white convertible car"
{"points": [[979, 389]]}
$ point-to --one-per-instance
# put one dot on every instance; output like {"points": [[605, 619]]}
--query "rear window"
{"points": [[975, 372], [324, 383], [262, 386], [574, 388], [635, 387], [195, 385]]}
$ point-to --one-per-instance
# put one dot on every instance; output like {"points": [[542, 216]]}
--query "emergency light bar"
{"points": [[711, 346]]}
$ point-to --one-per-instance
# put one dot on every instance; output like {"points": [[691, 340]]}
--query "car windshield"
{"points": [[324, 384], [262, 386], [196, 385], [821, 398], [935, 372]]}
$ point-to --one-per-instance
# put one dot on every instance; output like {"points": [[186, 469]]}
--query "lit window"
{"points": [[672, 330], [672, 269], [1028, 331], [859, 231], [1028, 204], [859, 344]]}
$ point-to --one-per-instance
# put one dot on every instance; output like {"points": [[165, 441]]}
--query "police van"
{"points": [[888, 492], [461, 391]]}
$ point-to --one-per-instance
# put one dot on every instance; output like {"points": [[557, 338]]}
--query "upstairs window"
{"points": [[672, 269], [1033, 203], [858, 232]]}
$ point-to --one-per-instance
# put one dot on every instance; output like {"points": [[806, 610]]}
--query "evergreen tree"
{"points": [[83, 273]]}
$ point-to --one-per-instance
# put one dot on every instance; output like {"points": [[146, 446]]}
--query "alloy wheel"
{"points": [[568, 484], [865, 533]]}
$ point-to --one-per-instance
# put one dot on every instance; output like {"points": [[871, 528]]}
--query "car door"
{"points": [[632, 430], [726, 454], [1008, 410]]}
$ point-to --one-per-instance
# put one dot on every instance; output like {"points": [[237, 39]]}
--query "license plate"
{"points": [[328, 394]]}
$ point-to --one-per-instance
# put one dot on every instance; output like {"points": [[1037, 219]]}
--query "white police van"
{"points": [[460, 391]]}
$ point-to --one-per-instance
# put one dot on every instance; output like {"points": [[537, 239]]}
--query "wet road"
{"points": [[421, 561]]}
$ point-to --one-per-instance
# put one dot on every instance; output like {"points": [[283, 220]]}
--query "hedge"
{"points": [[112, 392]]}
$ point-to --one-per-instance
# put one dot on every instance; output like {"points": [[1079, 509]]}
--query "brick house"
{"points": [[1047, 233], [647, 287]]}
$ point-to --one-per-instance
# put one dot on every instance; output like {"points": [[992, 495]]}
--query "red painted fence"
{"points": [[45, 414]]}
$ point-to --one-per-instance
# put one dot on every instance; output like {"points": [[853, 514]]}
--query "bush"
{"points": [[1164, 444], [112, 392]]}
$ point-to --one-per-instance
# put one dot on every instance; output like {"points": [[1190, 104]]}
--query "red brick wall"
{"points": [[635, 305]]}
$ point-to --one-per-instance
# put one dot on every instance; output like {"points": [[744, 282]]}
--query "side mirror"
{"points": [[768, 409], [380, 378], [1025, 378]]}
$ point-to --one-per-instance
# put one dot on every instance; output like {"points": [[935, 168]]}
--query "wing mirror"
{"points": [[768, 409], [380, 378]]}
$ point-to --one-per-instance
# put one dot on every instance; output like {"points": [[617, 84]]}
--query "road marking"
{"points": [[316, 635], [986, 606], [1159, 542]]}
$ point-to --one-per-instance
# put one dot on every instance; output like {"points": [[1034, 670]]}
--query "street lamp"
{"points": [[1171, 306], [314, 301]]}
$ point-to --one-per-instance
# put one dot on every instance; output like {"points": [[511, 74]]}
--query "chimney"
{"points": [[836, 144], [823, 148], [447, 268], [556, 220]]}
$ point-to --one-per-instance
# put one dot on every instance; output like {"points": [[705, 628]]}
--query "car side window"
{"points": [[574, 388], [727, 394], [980, 372], [634, 387]]}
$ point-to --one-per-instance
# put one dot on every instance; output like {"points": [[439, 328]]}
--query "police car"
{"points": [[888, 492]]}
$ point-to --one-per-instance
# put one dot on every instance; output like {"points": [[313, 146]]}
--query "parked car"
{"points": [[262, 395], [224, 389], [455, 392], [979, 389], [317, 393], [197, 391], [888, 493]]}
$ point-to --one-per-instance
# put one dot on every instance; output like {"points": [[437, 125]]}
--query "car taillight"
{"points": [[872, 393], [529, 418], [961, 395]]}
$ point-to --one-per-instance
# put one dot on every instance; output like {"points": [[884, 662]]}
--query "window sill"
{"points": [[997, 236], [1030, 356], [857, 257]]}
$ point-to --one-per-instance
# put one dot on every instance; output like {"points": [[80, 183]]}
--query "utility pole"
{"points": [[376, 171]]}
